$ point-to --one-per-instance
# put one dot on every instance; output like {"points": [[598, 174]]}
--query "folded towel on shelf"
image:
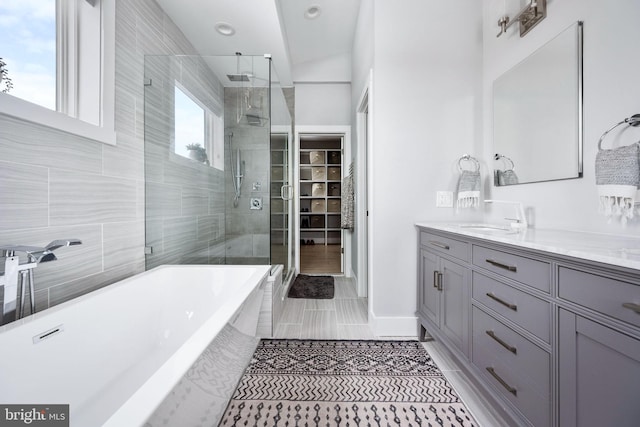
{"points": [[507, 177], [348, 201], [468, 189], [618, 180]]}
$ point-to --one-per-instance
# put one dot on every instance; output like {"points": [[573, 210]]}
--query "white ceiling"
{"points": [[277, 27]]}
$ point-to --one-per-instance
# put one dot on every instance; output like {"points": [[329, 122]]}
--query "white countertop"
{"points": [[606, 248]]}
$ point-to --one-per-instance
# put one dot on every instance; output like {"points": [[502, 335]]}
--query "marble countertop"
{"points": [[611, 249]]}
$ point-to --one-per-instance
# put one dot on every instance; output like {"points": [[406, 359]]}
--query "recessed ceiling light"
{"points": [[225, 29], [312, 12]]}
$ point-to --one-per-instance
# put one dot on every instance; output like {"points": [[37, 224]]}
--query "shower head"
{"points": [[239, 77]]}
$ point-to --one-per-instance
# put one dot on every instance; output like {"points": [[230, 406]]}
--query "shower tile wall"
{"points": [[54, 185], [247, 230], [185, 199]]}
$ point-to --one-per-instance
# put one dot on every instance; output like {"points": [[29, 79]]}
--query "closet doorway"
{"points": [[320, 188]]}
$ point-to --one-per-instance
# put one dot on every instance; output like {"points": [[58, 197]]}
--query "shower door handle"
{"points": [[289, 192]]}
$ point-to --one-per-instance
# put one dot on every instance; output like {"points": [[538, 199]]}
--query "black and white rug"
{"points": [[344, 383]]}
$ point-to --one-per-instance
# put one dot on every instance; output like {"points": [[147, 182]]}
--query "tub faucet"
{"points": [[22, 274]]}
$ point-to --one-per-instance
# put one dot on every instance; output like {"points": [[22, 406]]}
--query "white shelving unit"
{"points": [[320, 195]]}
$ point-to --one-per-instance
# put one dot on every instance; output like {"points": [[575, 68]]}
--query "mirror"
{"points": [[537, 114]]}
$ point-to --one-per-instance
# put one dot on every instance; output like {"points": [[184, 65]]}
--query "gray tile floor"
{"points": [[345, 317]]}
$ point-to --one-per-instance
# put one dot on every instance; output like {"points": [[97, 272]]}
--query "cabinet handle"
{"points": [[501, 265], [503, 302], [632, 306], [502, 343], [438, 244], [439, 281], [435, 279], [501, 381]]}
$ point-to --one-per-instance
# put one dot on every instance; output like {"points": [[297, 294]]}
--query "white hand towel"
{"points": [[618, 180], [469, 189]]}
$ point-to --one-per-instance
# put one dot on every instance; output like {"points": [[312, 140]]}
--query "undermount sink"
{"points": [[488, 228]]}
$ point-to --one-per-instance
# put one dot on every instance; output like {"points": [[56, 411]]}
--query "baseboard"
{"points": [[393, 326]]}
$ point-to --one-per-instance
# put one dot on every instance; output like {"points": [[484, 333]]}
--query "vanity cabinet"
{"points": [[443, 292], [599, 357], [550, 339]]}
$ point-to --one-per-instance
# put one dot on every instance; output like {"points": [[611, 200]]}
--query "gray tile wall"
{"points": [[185, 199], [247, 230], [55, 185]]}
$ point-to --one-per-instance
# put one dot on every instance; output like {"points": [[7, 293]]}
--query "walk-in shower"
{"points": [[223, 206]]}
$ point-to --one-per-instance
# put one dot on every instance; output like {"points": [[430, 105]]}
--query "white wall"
{"points": [[335, 68], [610, 94], [362, 62], [427, 97], [323, 104]]}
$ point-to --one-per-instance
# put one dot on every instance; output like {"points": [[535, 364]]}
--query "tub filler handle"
{"points": [[48, 334]]}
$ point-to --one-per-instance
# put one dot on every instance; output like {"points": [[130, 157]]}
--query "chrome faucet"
{"points": [[22, 274], [520, 221]]}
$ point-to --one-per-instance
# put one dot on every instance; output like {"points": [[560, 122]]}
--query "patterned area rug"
{"points": [[313, 287], [344, 383]]}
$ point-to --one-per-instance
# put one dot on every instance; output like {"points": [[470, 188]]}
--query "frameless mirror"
{"points": [[537, 114]]}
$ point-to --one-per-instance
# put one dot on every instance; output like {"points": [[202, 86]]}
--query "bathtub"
{"points": [[114, 354]]}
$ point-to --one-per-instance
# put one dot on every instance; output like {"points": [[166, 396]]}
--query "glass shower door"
{"points": [[281, 175]]}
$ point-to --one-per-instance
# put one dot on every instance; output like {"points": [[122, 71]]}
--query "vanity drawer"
{"points": [[445, 245], [525, 270], [612, 297], [522, 377], [529, 312]]}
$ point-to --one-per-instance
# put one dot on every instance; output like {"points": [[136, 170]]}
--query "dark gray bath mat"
{"points": [[344, 383], [312, 287]]}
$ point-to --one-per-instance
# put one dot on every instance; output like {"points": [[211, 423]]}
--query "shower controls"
{"points": [[256, 203], [257, 186]]}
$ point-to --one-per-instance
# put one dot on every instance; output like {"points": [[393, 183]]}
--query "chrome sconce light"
{"points": [[528, 17]]}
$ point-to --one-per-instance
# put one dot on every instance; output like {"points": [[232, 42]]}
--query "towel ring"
{"points": [[468, 158], [631, 121], [505, 158]]}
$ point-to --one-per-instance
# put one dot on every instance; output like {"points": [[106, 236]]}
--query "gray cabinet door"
{"points": [[429, 296], [454, 315], [599, 374]]}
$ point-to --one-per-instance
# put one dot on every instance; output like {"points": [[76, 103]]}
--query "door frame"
{"points": [[364, 124], [345, 132]]}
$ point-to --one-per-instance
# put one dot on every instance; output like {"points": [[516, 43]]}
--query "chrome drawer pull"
{"points": [[501, 381], [632, 306], [438, 244], [435, 279], [501, 265], [502, 343], [503, 302]]}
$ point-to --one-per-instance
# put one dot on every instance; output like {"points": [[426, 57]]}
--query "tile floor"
{"points": [[345, 317]]}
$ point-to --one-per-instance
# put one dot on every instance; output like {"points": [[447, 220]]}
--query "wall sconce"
{"points": [[528, 17]]}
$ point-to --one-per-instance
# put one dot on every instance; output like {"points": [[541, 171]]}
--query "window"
{"points": [[28, 47], [59, 55], [198, 132]]}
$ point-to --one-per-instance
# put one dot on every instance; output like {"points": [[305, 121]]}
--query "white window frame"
{"points": [[85, 89]]}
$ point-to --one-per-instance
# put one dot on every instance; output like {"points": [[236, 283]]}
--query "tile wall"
{"points": [[55, 185], [247, 230], [185, 199]]}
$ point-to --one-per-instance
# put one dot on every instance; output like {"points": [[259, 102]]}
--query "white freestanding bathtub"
{"points": [[113, 355]]}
